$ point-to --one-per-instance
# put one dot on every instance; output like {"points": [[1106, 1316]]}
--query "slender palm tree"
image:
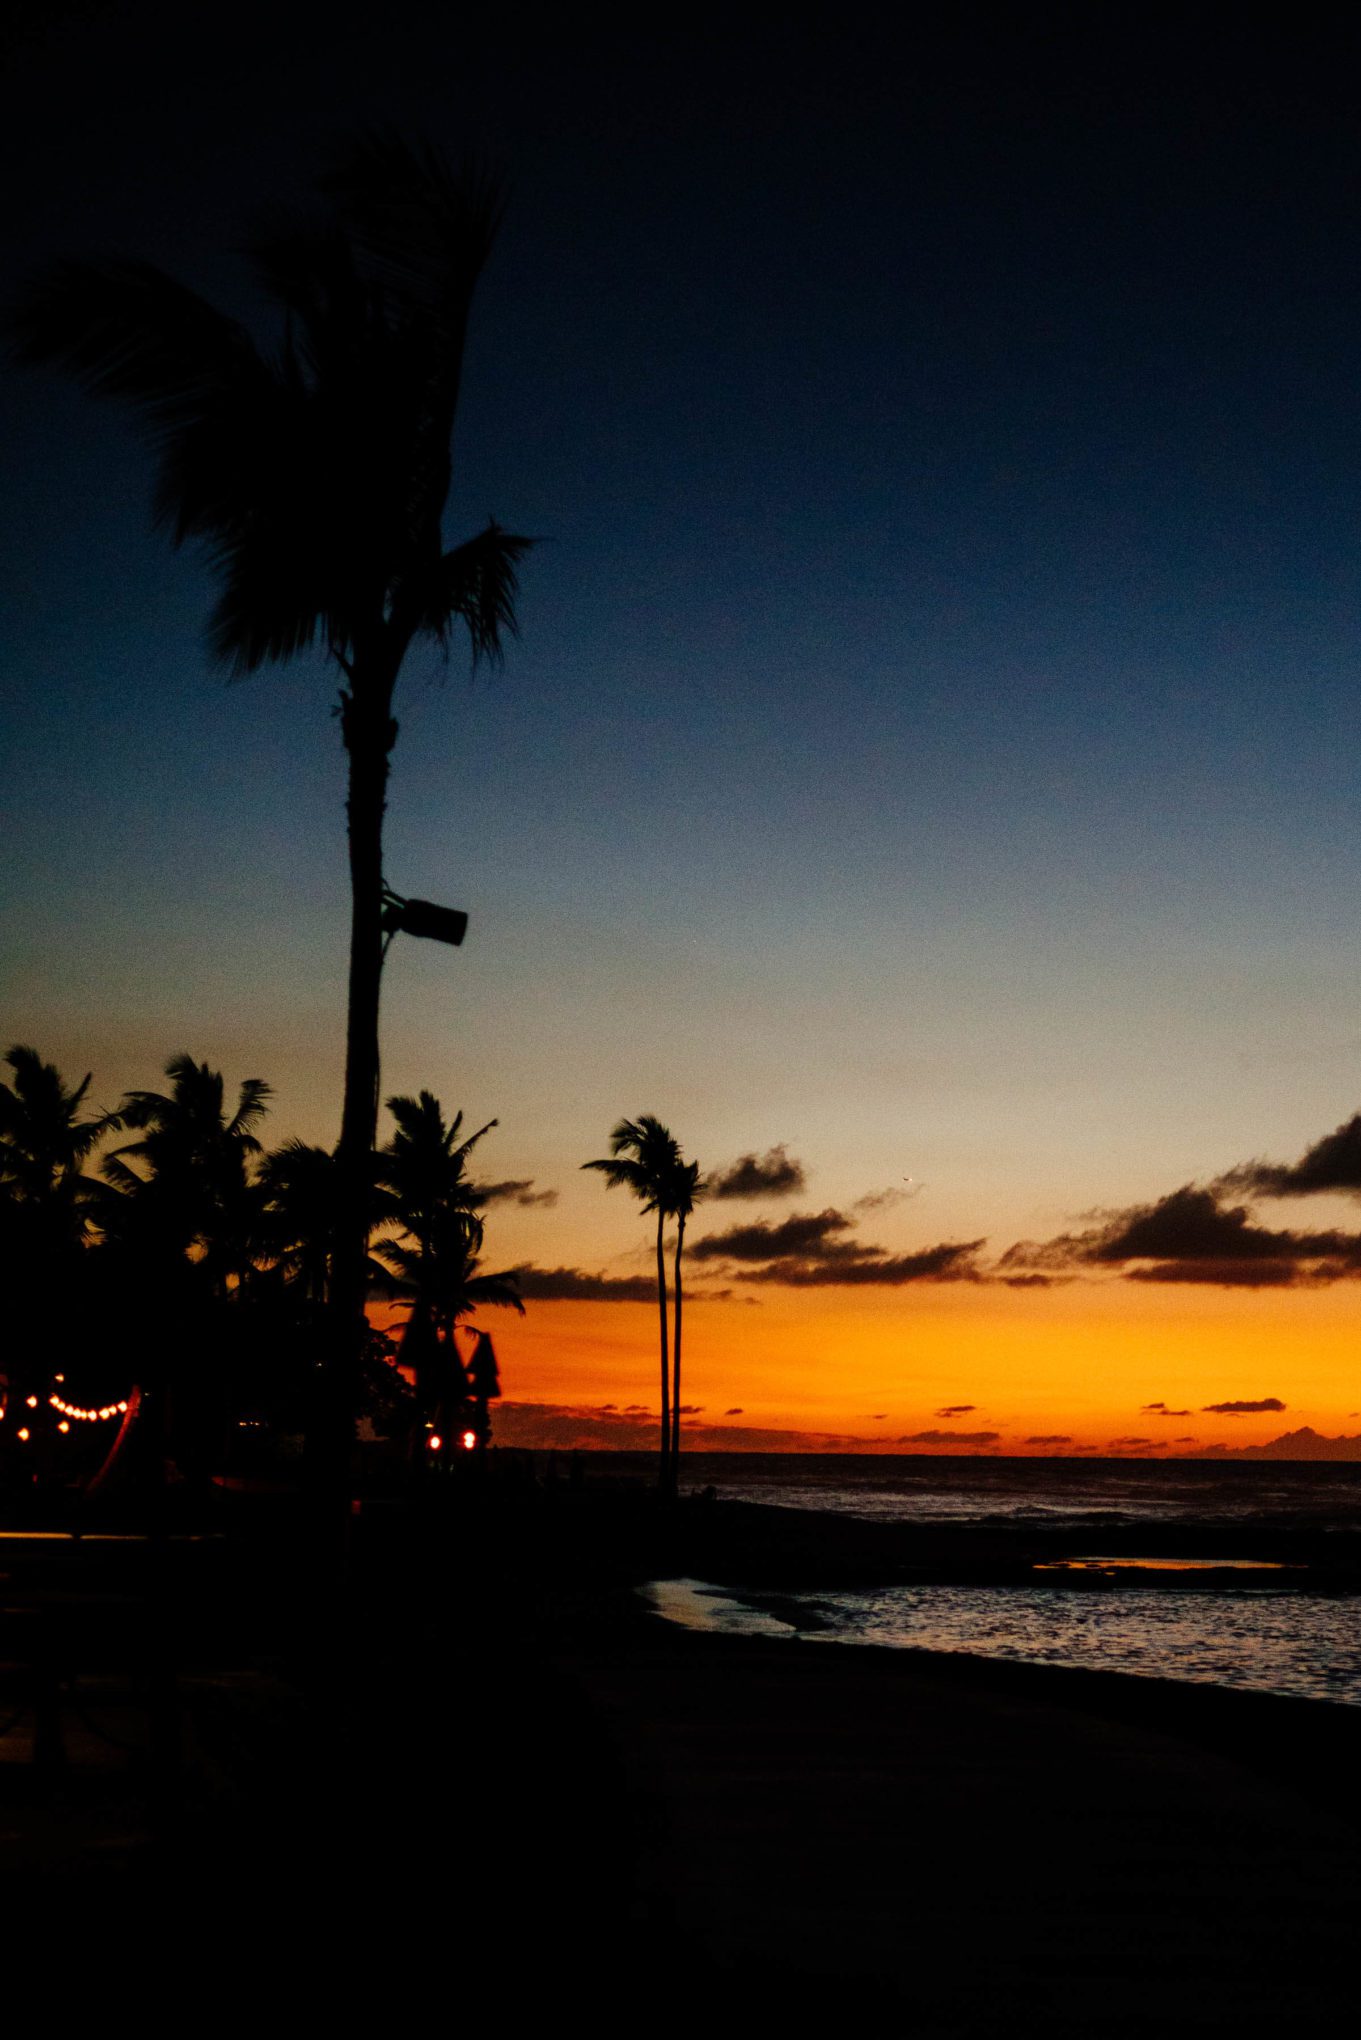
{"points": [[316, 473], [644, 1157], [684, 1191]]}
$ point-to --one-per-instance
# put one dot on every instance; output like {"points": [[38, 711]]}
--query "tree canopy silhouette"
{"points": [[316, 473]]}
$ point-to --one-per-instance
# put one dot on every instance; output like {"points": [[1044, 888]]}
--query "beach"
{"points": [[534, 1764]]}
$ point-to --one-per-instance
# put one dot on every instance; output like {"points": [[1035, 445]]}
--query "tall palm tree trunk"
{"points": [[664, 1474], [369, 733], [676, 1364]]}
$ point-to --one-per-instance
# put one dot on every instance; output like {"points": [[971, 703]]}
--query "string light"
{"points": [[23, 1435], [97, 1416]]}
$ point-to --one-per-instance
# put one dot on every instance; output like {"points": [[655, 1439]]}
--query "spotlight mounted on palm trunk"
{"points": [[422, 918]]}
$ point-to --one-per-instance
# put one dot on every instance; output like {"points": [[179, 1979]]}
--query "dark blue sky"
{"points": [[933, 728]]}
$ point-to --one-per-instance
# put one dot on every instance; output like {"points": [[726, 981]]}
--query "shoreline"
{"points": [[986, 1846]]}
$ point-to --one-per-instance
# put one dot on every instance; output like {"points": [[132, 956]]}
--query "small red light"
{"points": [[435, 1442], [469, 1441]]}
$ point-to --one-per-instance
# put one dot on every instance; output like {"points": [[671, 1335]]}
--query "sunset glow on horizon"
{"points": [[927, 751]]}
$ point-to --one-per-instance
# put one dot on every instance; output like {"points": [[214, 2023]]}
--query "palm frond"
{"points": [[423, 227], [476, 584], [125, 330]]}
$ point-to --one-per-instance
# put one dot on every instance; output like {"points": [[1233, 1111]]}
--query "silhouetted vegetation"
{"points": [[170, 1291], [316, 472], [645, 1157]]}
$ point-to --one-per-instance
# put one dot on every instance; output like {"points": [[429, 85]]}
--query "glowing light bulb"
{"points": [[435, 1441], [24, 1434], [63, 1425], [469, 1441]]}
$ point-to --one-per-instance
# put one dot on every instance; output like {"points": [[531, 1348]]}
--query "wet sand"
{"points": [[982, 1847]]}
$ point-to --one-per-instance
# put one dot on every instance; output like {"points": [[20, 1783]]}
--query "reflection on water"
{"points": [[1040, 1493], [1304, 1644], [1172, 1565]]}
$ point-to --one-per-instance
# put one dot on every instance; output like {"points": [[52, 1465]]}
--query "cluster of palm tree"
{"points": [[190, 1264], [645, 1157]]}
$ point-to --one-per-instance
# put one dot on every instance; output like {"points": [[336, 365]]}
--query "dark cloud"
{"points": [[735, 1413], [773, 1174], [1190, 1236], [811, 1249], [809, 1235], [578, 1285], [957, 1409], [949, 1438], [1306, 1443], [1268, 1403], [517, 1192], [950, 1262], [1145, 1444], [1032, 1281], [1333, 1163], [561, 1427], [884, 1200], [692, 1409], [1050, 1438], [1153, 1406], [574, 1285]]}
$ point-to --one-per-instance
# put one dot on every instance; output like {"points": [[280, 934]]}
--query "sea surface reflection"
{"points": [[1273, 1642]]}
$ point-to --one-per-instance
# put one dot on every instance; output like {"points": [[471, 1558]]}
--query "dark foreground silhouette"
{"points": [[491, 1774]]}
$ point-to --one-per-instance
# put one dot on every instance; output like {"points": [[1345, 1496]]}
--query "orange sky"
{"points": [[1078, 1362]]}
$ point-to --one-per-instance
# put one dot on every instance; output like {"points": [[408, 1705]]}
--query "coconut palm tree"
{"points": [[316, 473], [436, 1264], [188, 1187], [645, 1158], [48, 1206], [684, 1190], [44, 1144]]}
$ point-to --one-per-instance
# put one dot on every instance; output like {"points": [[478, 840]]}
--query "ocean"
{"points": [[1270, 1637]]}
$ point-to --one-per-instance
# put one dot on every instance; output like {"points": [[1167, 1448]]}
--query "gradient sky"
{"points": [[932, 741]]}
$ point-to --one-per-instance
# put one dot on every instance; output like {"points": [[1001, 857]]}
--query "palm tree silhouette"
{"points": [[645, 1158], [194, 1189], [44, 1144], [316, 474], [436, 1265], [48, 1208], [684, 1191]]}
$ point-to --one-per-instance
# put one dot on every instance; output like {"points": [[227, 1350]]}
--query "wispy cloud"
{"points": [[949, 1438], [576, 1285], [516, 1191]]}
